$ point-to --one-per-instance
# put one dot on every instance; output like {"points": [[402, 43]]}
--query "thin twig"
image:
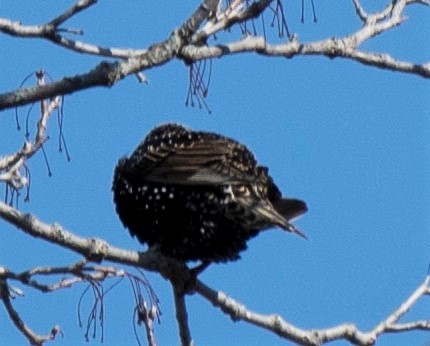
{"points": [[350, 332], [13, 169], [389, 324], [32, 337], [78, 7]]}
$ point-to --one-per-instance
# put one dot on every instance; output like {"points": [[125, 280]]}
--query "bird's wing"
{"points": [[212, 160]]}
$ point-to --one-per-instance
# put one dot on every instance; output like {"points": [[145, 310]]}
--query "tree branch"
{"points": [[331, 48], [78, 7], [389, 324], [81, 272], [51, 32], [13, 166], [32, 337], [107, 74], [350, 332], [182, 316], [344, 47], [230, 16], [182, 278], [186, 43], [95, 249]]}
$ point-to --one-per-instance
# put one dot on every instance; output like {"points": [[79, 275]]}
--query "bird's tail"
{"points": [[280, 214], [290, 208]]}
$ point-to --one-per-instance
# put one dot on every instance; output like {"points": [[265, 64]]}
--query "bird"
{"points": [[198, 196]]}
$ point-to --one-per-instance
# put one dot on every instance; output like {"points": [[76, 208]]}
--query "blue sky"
{"points": [[350, 140]]}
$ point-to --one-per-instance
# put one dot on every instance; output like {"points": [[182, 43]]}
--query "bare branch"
{"points": [[136, 61], [107, 74], [90, 248], [389, 324], [182, 316], [350, 332], [345, 47], [187, 42], [147, 316], [331, 48], [78, 7], [32, 337], [360, 10], [46, 110], [94, 276], [183, 281], [94, 249], [51, 33], [79, 271], [229, 17], [405, 327], [13, 169]]}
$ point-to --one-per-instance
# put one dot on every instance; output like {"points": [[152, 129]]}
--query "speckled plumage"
{"points": [[198, 195]]}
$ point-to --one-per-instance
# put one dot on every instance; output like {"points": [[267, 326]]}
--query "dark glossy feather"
{"points": [[198, 195]]}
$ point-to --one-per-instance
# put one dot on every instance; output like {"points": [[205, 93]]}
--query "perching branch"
{"points": [[94, 249], [182, 316], [184, 282]]}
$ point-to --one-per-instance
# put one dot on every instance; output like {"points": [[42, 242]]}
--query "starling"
{"points": [[198, 195]]}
